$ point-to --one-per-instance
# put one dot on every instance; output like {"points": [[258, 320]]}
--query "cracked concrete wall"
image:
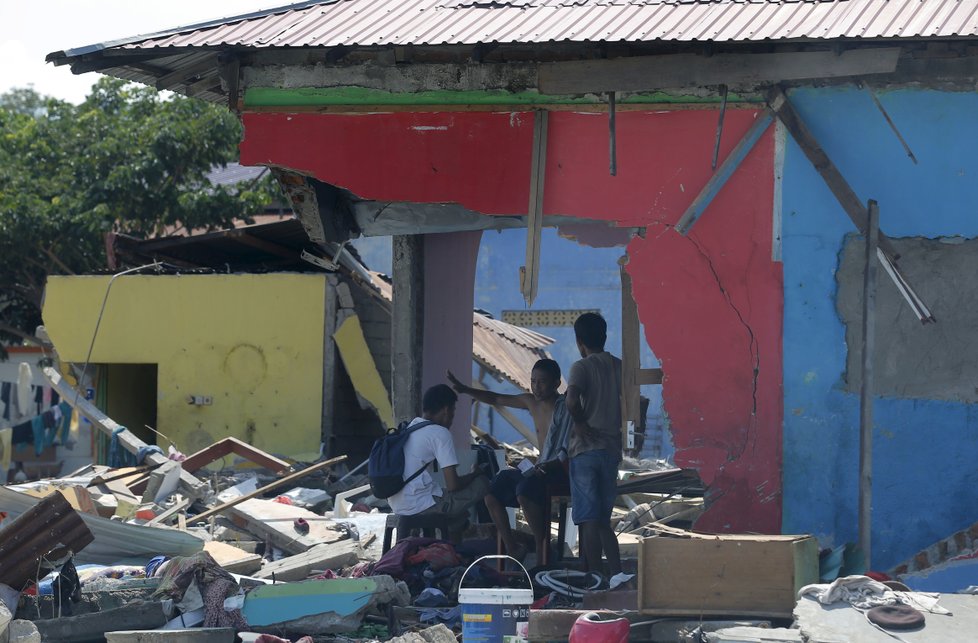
{"points": [[913, 360], [925, 449], [710, 302]]}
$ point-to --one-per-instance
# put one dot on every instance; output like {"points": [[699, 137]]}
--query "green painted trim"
{"points": [[323, 96]]}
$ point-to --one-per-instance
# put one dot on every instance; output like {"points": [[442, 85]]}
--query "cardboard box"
{"points": [[746, 575]]}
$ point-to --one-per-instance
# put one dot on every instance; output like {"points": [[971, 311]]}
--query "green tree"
{"points": [[125, 160]]}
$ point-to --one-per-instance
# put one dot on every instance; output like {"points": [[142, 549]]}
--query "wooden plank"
{"points": [[190, 485], [846, 196], [530, 272], [866, 384], [241, 449], [524, 430], [407, 335], [645, 376], [631, 358], [508, 415], [330, 364], [723, 174], [649, 73], [269, 487], [593, 108], [180, 505], [326, 556]]}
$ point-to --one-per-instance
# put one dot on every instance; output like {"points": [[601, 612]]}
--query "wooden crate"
{"points": [[745, 575]]}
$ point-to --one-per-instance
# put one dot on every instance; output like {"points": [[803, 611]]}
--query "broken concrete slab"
{"points": [[321, 557], [274, 521], [195, 635], [5, 618], [320, 606], [163, 482], [436, 634], [91, 628], [233, 559], [840, 623], [743, 634], [21, 631]]}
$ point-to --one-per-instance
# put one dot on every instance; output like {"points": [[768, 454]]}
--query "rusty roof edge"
{"points": [[61, 57]]}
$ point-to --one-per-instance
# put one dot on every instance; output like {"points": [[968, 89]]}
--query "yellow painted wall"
{"points": [[252, 342]]}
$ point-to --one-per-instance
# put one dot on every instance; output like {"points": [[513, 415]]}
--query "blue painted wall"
{"points": [[925, 451], [572, 276]]}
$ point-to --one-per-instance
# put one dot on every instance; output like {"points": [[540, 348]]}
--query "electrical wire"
{"points": [[98, 322], [569, 583]]}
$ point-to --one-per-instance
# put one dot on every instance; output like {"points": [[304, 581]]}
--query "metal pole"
{"points": [[866, 390]]}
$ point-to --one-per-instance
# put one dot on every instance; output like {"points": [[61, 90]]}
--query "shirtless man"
{"points": [[539, 402], [510, 488]]}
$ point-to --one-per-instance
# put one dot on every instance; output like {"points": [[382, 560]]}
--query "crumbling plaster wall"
{"points": [[710, 302], [253, 343], [925, 449]]}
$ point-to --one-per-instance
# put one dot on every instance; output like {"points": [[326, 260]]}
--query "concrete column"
{"points": [[450, 260], [407, 326]]}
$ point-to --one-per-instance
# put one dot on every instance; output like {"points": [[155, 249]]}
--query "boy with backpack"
{"points": [[420, 443]]}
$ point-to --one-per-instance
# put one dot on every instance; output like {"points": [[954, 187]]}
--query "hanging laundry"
{"points": [[64, 410], [24, 377], [37, 428], [6, 452], [55, 398], [46, 397], [5, 401], [38, 398], [22, 434]]}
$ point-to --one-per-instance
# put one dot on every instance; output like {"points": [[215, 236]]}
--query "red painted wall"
{"points": [[711, 302]]}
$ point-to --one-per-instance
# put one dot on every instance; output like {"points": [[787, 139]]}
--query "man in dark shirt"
{"points": [[594, 401]]}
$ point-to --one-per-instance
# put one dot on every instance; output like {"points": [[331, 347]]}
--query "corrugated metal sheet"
{"points": [[437, 22], [49, 527], [114, 540], [506, 350]]}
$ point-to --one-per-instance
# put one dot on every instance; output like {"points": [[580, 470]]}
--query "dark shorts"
{"points": [[510, 484], [594, 485]]}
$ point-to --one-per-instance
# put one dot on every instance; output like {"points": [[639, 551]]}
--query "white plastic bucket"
{"points": [[495, 615]]}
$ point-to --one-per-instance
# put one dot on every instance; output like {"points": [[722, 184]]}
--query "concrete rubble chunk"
{"points": [[317, 607], [325, 556], [21, 631], [196, 635], [436, 634], [755, 635], [5, 618]]}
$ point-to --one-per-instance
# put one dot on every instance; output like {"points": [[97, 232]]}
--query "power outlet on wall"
{"points": [[200, 400]]}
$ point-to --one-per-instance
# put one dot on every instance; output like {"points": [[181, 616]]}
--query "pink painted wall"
{"points": [[449, 271], [711, 302]]}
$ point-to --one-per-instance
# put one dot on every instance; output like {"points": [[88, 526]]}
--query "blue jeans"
{"points": [[594, 485]]}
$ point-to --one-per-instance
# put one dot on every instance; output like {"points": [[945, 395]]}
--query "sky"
{"points": [[31, 29]]}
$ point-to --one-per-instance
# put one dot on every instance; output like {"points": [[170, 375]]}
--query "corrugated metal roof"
{"points": [[333, 23], [506, 350]]}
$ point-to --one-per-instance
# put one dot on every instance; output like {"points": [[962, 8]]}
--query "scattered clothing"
{"points": [[431, 597], [864, 593], [450, 616], [437, 555]]}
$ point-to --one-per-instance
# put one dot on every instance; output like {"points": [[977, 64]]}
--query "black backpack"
{"points": [[385, 467]]}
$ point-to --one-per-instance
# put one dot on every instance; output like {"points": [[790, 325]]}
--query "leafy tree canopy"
{"points": [[125, 160]]}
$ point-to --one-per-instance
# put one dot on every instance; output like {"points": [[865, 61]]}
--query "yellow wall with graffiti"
{"points": [[253, 343]]}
